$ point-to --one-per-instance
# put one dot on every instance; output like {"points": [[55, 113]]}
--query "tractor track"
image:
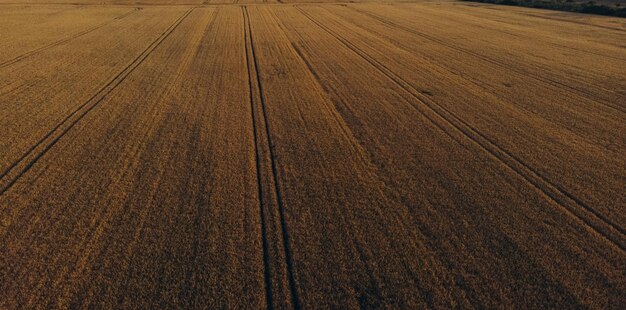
{"points": [[572, 205], [551, 82], [59, 42], [261, 197], [489, 89], [16, 170], [254, 72]]}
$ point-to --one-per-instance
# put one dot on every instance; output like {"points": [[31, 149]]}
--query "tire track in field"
{"points": [[498, 63], [517, 35], [361, 154], [503, 31], [341, 123], [65, 280], [26, 161], [90, 243], [254, 69], [449, 70], [65, 40], [261, 197], [570, 204]]}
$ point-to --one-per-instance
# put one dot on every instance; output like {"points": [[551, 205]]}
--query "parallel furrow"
{"points": [[573, 206], [262, 199], [59, 42], [26, 161], [549, 42], [338, 119], [281, 210], [494, 61]]}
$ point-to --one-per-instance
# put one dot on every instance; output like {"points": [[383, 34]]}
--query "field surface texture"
{"points": [[194, 154]]}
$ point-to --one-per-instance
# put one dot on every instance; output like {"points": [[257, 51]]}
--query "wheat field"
{"points": [[431, 154]]}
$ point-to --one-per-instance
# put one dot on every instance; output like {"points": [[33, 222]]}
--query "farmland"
{"points": [[198, 154]]}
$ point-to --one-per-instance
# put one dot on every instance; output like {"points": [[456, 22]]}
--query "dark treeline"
{"points": [[589, 7]]}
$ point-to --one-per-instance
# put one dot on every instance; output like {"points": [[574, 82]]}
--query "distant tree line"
{"points": [[589, 7]]}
